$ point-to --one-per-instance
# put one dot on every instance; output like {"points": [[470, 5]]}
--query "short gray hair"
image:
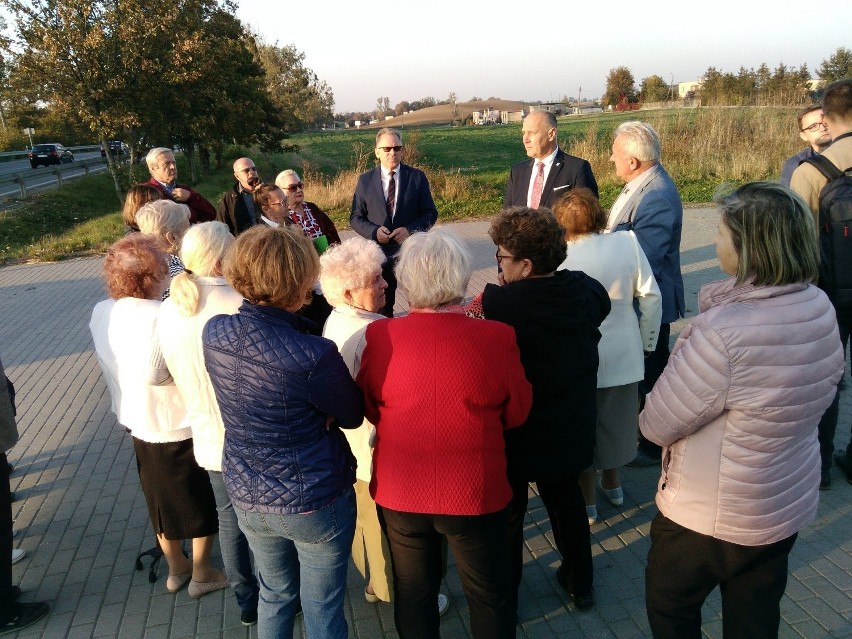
{"points": [[640, 141], [351, 265], [549, 118], [433, 268], [162, 217], [387, 131], [152, 157], [279, 179]]}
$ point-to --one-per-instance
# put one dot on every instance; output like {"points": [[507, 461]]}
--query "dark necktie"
{"points": [[391, 194]]}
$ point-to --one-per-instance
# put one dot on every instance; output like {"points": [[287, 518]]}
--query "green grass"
{"points": [[467, 168]]}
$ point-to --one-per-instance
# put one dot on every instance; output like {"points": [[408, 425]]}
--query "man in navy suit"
{"points": [[556, 172], [650, 206], [391, 202]]}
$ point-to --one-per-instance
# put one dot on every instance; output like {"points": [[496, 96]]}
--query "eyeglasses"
{"points": [[248, 169], [278, 203], [388, 149], [500, 258], [815, 127], [294, 187]]}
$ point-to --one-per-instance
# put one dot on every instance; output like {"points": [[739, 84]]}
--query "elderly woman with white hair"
{"points": [[197, 294], [167, 221], [351, 278], [308, 216], [441, 389]]}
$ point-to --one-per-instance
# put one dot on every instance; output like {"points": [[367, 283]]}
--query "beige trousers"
{"points": [[370, 546]]}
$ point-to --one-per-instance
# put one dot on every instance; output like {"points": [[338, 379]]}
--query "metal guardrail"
{"points": [[25, 180], [19, 155]]}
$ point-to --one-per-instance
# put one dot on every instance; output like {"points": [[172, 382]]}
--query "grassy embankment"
{"points": [[467, 169]]}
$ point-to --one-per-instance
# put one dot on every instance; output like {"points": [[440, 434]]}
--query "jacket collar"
{"points": [[276, 316], [727, 292]]}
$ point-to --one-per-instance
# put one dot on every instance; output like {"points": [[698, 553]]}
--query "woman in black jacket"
{"points": [[555, 315]]}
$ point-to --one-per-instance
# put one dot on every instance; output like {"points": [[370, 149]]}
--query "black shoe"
{"points": [[248, 617], [584, 602], [843, 461], [11, 468], [643, 460], [24, 614], [15, 593], [825, 480]]}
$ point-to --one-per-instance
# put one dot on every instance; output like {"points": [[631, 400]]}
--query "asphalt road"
{"points": [[22, 166]]}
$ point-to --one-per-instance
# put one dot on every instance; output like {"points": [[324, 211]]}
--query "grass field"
{"points": [[467, 169]]}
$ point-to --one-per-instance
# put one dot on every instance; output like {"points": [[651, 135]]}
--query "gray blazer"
{"points": [[654, 213]]}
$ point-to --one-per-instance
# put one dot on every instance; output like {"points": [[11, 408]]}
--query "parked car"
{"points": [[116, 147], [48, 154]]}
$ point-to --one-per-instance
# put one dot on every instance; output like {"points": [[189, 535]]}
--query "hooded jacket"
{"points": [[556, 322], [737, 410]]}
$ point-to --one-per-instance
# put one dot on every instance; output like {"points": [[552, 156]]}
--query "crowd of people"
{"points": [[273, 398]]}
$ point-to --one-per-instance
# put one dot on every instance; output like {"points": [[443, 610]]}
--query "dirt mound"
{"points": [[443, 113]]}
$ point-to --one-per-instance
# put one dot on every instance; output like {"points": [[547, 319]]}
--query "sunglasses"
{"points": [[294, 187], [388, 149]]}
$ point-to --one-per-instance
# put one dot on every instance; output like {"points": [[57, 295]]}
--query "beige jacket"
{"points": [[8, 428], [737, 409], [807, 181]]}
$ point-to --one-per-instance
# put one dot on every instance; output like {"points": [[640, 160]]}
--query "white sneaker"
{"points": [[615, 496], [592, 514], [443, 604], [18, 554]]}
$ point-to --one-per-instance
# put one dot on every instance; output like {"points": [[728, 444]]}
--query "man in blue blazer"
{"points": [[650, 206], [391, 202], [559, 172]]}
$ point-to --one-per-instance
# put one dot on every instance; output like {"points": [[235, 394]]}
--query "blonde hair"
{"points": [[433, 268], [351, 265], [202, 252], [166, 219], [271, 266], [279, 179], [773, 233]]}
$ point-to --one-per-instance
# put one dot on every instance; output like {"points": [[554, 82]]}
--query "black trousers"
{"points": [[6, 604], [566, 509], [685, 566], [655, 364], [482, 559], [828, 423]]}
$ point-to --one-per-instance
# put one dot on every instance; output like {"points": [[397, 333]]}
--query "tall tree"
{"points": [[836, 67], [654, 89], [620, 86]]}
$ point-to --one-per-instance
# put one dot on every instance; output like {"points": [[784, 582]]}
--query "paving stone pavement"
{"points": [[82, 518]]}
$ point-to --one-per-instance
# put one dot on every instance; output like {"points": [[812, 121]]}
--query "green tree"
{"points": [[620, 86], [654, 89], [836, 67]]}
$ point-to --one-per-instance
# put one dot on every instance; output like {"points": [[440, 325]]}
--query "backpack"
{"points": [[835, 232]]}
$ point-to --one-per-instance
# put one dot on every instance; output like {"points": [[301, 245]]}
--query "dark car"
{"points": [[116, 147], [48, 154]]}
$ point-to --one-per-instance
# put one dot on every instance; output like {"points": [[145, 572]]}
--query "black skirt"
{"points": [[178, 491]]}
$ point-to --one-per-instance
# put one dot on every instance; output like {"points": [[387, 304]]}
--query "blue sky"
{"points": [[527, 51]]}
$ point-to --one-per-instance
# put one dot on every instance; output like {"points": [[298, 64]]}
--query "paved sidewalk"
{"points": [[82, 518]]}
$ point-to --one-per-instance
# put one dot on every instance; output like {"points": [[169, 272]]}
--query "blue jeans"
{"points": [[305, 554], [235, 548]]}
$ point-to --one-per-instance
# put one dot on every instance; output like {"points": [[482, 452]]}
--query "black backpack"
{"points": [[835, 232]]}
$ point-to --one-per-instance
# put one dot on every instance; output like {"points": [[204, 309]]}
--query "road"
{"points": [[22, 166]]}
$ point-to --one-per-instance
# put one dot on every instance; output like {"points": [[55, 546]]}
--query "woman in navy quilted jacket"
{"points": [[284, 395]]}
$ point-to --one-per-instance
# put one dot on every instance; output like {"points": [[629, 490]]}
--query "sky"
{"points": [[529, 51]]}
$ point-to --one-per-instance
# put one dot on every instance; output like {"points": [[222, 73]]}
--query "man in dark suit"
{"points": [[161, 165], [650, 206], [550, 173], [237, 206], [391, 202]]}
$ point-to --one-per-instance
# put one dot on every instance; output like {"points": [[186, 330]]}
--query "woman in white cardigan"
{"points": [[617, 261], [197, 294], [146, 402]]}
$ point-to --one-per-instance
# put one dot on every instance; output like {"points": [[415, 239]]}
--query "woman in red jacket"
{"points": [[441, 388]]}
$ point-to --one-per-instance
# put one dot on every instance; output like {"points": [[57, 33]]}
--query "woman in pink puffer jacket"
{"points": [[737, 410]]}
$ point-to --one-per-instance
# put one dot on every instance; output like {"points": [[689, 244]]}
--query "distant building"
{"points": [[512, 116], [582, 110], [556, 108], [486, 116], [683, 88]]}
